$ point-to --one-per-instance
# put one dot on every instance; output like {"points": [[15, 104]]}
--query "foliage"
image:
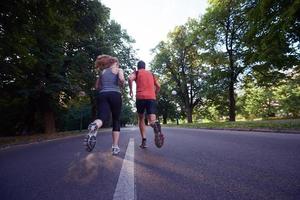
{"points": [[166, 106], [177, 60], [127, 115], [238, 51], [222, 30], [46, 57], [273, 38], [290, 125], [259, 101]]}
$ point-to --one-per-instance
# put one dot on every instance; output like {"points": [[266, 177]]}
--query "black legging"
{"points": [[110, 102]]}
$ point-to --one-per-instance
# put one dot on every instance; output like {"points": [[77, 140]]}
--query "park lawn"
{"points": [[292, 125], [15, 140]]}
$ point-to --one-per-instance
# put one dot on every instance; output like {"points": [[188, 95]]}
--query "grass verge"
{"points": [[14, 140], [289, 125]]}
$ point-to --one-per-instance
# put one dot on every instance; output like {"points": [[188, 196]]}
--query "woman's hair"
{"points": [[105, 61]]}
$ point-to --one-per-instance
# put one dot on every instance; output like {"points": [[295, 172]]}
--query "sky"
{"points": [[149, 21]]}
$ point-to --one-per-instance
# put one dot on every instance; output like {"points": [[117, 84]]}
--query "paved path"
{"points": [[193, 164]]}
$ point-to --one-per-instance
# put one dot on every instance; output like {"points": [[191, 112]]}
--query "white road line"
{"points": [[125, 187]]}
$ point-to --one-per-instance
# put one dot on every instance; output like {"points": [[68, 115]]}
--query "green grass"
{"points": [[276, 125]]}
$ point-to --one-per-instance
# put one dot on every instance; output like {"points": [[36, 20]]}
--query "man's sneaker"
{"points": [[90, 138], [158, 136], [143, 145], [115, 150]]}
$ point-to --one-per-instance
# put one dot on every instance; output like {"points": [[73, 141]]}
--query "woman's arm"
{"points": [[98, 84], [121, 77], [157, 85]]}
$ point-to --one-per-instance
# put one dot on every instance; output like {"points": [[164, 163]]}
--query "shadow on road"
{"points": [[85, 170]]}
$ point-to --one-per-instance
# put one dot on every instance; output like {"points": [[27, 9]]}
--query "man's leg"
{"points": [[153, 123], [151, 119], [158, 136], [142, 125]]}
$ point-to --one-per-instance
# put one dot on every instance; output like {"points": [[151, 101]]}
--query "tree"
{"points": [[166, 106], [221, 30], [46, 57], [281, 100], [257, 101], [110, 39], [177, 60], [288, 97], [127, 115], [273, 39]]}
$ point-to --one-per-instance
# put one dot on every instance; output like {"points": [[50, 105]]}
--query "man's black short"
{"points": [[146, 104]]}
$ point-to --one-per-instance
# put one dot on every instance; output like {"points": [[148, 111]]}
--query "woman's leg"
{"points": [[102, 110], [115, 106], [98, 122], [115, 137]]}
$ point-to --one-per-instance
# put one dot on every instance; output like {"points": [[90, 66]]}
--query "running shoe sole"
{"points": [[90, 142], [90, 138], [158, 136], [115, 151], [143, 146]]}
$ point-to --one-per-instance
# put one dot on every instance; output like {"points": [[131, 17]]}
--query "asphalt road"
{"points": [[193, 164]]}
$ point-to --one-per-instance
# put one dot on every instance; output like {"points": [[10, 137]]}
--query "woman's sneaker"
{"points": [[90, 138], [158, 136], [93, 128], [115, 150]]}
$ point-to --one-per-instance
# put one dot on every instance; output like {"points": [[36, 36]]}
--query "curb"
{"points": [[283, 131], [4, 147]]}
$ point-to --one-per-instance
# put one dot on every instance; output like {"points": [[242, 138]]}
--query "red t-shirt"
{"points": [[145, 87]]}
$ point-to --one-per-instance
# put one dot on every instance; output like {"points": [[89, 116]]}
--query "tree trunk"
{"points": [[189, 115], [47, 113], [231, 102], [94, 102], [29, 120], [49, 122], [164, 119]]}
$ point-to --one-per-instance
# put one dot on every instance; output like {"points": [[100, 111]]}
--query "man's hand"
{"points": [[130, 79], [131, 93]]}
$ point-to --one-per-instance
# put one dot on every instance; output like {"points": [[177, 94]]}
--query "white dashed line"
{"points": [[125, 187]]}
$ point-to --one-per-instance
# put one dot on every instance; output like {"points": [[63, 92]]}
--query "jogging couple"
{"points": [[109, 101]]}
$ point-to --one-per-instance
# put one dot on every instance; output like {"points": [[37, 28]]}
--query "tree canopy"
{"points": [[47, 57], [208, 59], [239, 59]]}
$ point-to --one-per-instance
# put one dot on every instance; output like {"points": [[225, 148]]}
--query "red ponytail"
{"points": [[105, 61]]}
